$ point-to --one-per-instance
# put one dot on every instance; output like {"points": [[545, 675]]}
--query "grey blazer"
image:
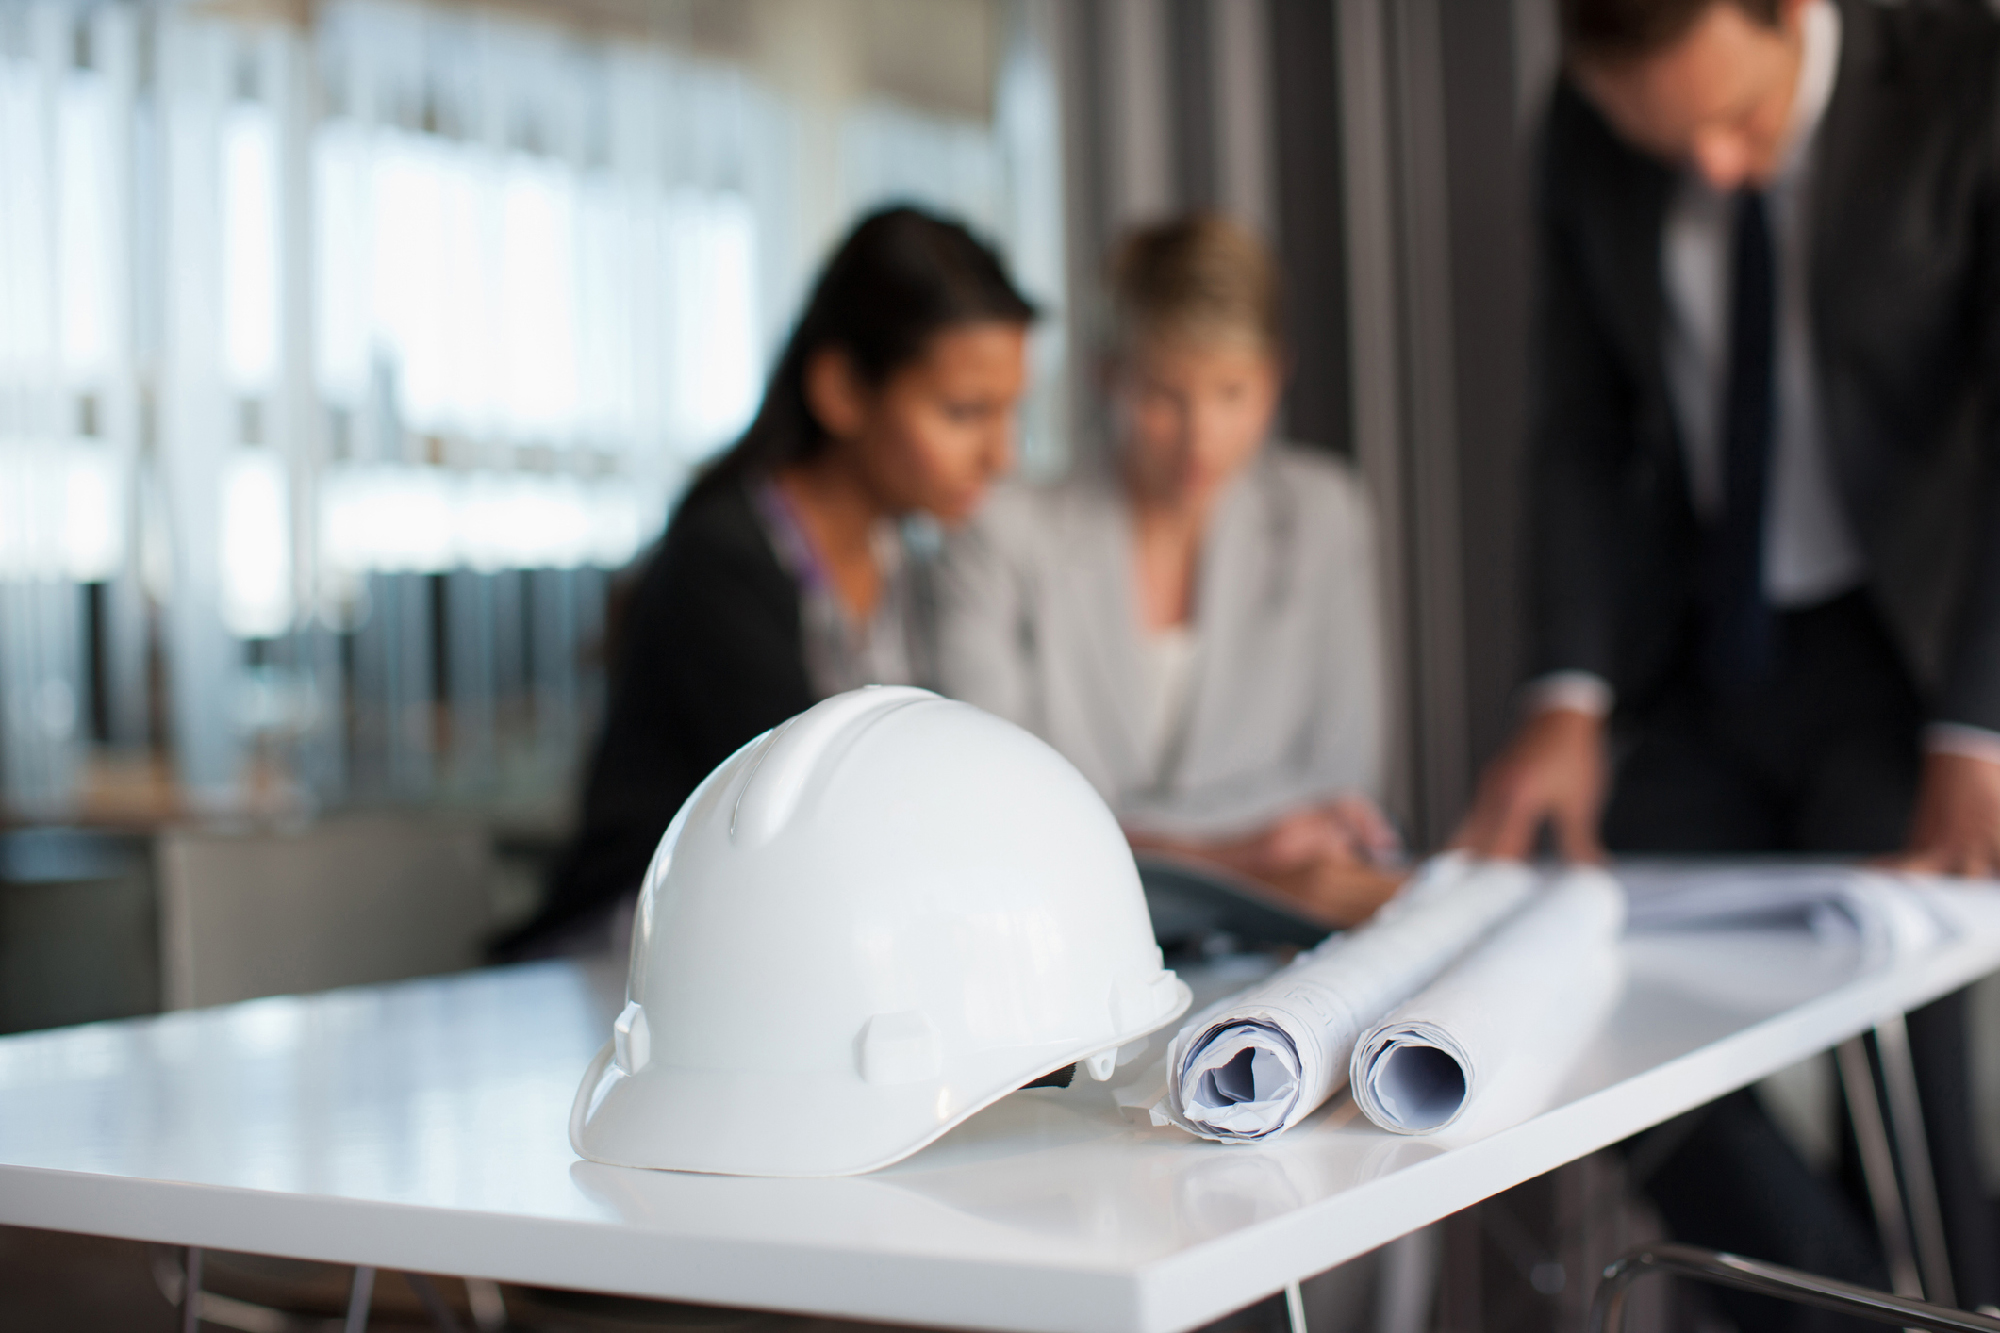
{"points": [[1905, 292], [1038, 622]]}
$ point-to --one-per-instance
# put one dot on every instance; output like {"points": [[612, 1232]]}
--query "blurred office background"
{"points": [[349, 346], [349, 350]]}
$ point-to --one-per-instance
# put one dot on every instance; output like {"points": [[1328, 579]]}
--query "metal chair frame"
{"points": [[196, 1305], [1902, 1192], [1607, 1311]]}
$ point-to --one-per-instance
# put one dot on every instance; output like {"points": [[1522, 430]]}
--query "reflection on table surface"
{"points": [[453, 1093]]}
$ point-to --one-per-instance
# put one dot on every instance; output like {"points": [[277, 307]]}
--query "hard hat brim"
{"points": [[814, 1123]]}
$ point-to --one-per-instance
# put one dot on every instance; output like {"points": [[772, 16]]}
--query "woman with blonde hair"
{"points": [[1190, 617]]}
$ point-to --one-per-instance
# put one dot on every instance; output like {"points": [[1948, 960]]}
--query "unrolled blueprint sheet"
{"points": [[1886, 915]]}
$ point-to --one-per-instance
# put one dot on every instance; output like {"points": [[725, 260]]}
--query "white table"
{"points": [[421, 1127]]}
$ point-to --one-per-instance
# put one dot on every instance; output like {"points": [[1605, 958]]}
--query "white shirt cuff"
{"points": [[1572, 691], [1957, 738]]}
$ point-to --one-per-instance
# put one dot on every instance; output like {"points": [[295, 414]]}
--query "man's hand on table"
{"points": [[1554, 772], [1956, 828]]}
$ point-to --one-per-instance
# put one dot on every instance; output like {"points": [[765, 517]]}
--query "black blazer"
{"points": [[710, 652], [1905, 273]]}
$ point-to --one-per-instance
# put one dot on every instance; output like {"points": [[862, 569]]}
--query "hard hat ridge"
{"points": [[863, 927]]}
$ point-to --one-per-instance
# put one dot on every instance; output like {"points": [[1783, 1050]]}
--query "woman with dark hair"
{"points": [[783, 576]]}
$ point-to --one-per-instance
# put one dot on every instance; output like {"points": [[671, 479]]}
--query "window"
{"points": [[349, 362]]}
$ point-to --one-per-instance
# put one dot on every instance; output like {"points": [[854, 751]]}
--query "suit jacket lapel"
{"points": [[1846, 174], [1637, 204]]}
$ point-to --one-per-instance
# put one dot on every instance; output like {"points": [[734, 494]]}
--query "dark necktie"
{"points": [[1739, 647]]}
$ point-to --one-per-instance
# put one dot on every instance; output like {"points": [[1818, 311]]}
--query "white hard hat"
{"points": [[866, 925]]}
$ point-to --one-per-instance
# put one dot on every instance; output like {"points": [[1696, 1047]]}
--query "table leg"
{"points": [[1906, 1124], [191, 1291], [1408, 1281], [359, 1298], [427, 1292], [489, 1307], [1878, 1167], [1295, 1308]]}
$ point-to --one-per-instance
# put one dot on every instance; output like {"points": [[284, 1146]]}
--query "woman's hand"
{"points": [[1368, 830], [1348, 831], [1338, 894], [1332, 860]]}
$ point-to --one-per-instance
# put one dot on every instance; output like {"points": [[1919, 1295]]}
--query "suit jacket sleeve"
{"points": [[1581, 428], [1971, 687]]}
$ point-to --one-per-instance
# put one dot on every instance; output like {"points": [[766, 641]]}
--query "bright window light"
{"points": [[617, 528], [348, 537], [711, 292], [409, 263], [23, 501], [256, 546], [389, 520], [538, 316], [62, 512], [526, 521], [466, 355], [482, 532], [93, 530], [26, 268], [565, 528], [414, 519], [250, 247], [84, 237], [341, 251]]}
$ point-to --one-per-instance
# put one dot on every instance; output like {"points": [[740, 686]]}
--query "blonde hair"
{"points": [[1200, 276]]}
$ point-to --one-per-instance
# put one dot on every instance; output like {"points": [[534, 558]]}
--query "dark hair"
{"points": [[1632, 29], [901, 277]]}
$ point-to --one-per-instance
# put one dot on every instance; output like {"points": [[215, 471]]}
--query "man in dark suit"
{"points": [[1764, 500]]}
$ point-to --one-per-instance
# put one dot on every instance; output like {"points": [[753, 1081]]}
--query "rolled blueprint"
{"points": [[1259, 1062], [1501, 1018]]}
